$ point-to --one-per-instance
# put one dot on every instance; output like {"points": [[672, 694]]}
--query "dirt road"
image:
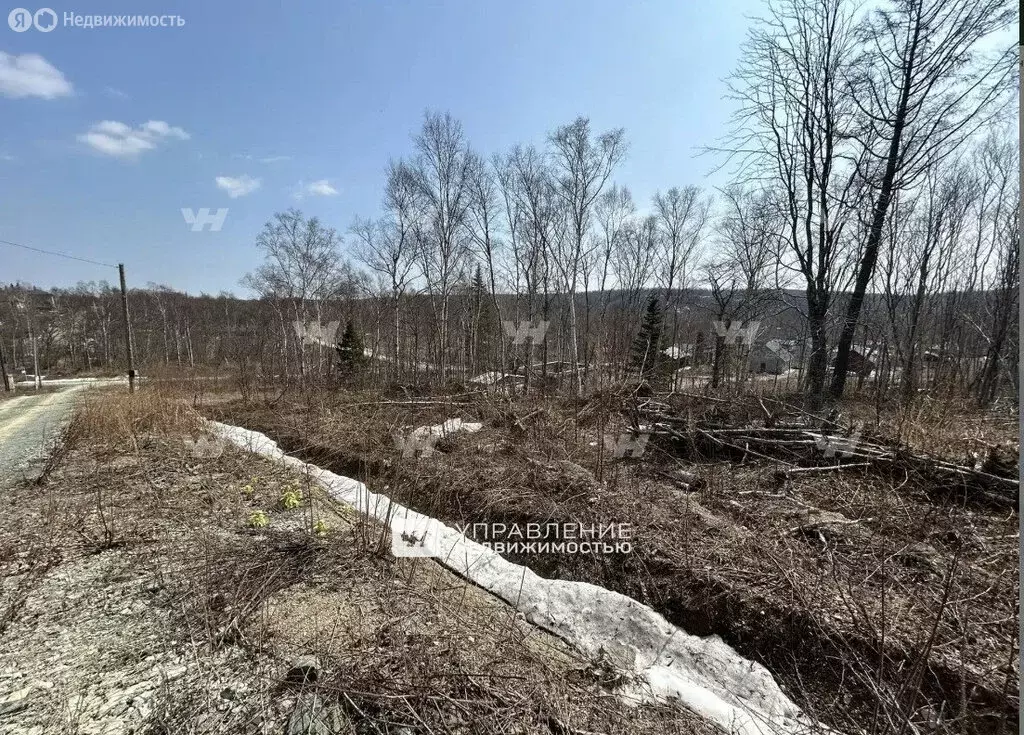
{"points": [[29, 425]]}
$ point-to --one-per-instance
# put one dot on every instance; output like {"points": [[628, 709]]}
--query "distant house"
{"points": [[934, 355], [763, 359], [859, 364], [682, 355]]}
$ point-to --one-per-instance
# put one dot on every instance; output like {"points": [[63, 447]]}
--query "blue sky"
{"points": [[311, 99]]}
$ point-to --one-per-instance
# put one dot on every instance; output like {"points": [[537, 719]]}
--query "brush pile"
{"points": [[802, 444]]}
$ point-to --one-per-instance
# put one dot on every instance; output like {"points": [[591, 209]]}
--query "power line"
{"points": [[59, 255]]}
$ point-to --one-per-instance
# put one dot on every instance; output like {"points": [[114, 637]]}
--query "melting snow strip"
{"points": [[704, 674]]}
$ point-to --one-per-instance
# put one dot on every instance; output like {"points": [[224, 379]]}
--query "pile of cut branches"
{"points": [[803, 446]]}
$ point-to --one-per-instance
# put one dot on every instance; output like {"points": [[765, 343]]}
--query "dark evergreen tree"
{"points": [[351, 354], [479, 288], [647, 346], [481, 341], [699, 350]]}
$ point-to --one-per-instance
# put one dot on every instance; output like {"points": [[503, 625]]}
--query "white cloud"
{"points": [[237, 186], [162, 129], [123, 141], [30, 75], [319, 188], [115, 92], [6, 157]]}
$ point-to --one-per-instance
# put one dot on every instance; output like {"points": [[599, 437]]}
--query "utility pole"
{"points": [[3, 368], [21, 305], [35, 353], [127, 330]]}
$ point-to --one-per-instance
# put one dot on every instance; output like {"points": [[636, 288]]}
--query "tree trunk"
{"points": [[817, 365], [881, 210]]}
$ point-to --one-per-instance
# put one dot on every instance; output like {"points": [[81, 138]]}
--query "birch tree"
{"points": [[680, 215], [387, 246], [582, 166], [443, 170], [302, 269]]}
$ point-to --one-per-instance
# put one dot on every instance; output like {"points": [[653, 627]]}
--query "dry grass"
{"points": [[117, 419], [879, 602], [137, 522]]}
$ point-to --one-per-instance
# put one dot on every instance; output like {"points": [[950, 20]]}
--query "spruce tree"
{"points": [[646, 355], [479, 288], [351, 355], [485, 320]]}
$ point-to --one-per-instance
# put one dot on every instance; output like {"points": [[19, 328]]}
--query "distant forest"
{"points": [[81, 330]]}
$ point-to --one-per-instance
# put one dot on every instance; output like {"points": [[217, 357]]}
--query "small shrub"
{"points": [[291, 498], [259, 519]]}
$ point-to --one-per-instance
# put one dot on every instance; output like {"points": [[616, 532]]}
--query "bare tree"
{"points": [[302, 269], [613, 212], [443, 170], [681, 215], [792, 133], [582, 166], [532, 210], [484, 223], [634, 259], [922, 87], [998, 234], [922, 261], [387, 246], [741, 272]]}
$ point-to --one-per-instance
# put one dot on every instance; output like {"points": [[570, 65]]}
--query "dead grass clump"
{"points": [[221, 582], [121, 419], [21, 569], [423, 653]]}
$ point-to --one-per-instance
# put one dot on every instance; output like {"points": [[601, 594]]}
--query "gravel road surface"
{"points": [[29, 426]]}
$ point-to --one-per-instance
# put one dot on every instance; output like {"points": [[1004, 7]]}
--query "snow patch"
{"points": [[446, 429], [493, 378], [704, 674]]}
